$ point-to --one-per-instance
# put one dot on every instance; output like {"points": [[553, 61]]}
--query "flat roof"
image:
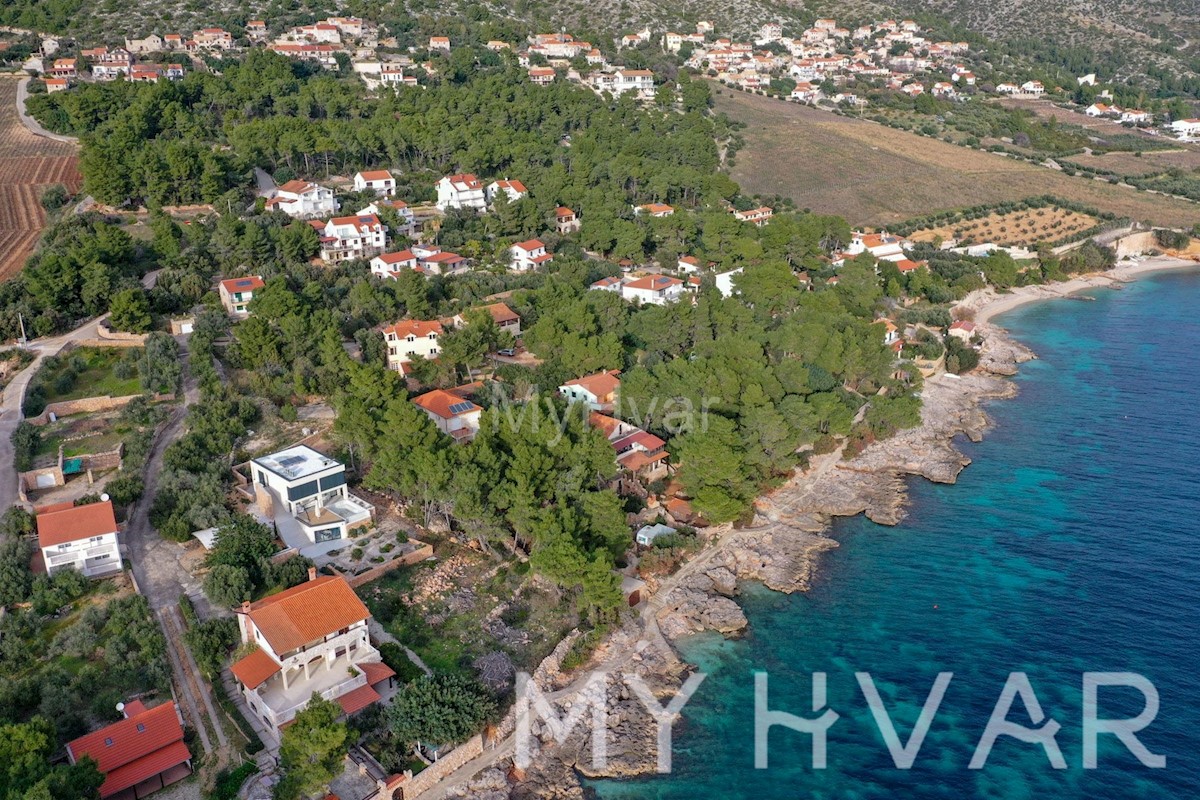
{"points": [[297, 462]]}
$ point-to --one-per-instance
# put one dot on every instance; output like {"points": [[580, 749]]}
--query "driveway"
{"points": [[30, 123]]}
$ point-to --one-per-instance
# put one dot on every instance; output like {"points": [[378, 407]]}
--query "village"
{"points": [[264, 469]]}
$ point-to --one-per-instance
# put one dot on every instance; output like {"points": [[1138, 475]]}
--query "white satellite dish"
{"points": [[104, 497]]}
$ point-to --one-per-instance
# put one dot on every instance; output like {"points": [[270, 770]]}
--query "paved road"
{"points": [[14, 396], [30, 123]]}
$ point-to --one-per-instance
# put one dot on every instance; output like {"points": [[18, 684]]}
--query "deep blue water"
{"points": [[1069, 545]]}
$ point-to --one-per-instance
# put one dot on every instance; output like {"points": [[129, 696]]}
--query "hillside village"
{"points": [[349, 430]]}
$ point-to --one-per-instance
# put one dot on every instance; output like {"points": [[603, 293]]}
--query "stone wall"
{"points": [[429, 777], [1135, 244], [124, 339], [28, 480], [89, 405], [98, 342], [422, 552]]}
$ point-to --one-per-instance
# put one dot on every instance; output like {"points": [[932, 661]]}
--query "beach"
{"points": [[781, 548]]}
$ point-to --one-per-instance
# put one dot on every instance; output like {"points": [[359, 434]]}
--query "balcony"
{"points": [[330, 680]]}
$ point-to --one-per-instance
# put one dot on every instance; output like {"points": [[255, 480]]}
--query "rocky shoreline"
{"points": [[780, 549]]}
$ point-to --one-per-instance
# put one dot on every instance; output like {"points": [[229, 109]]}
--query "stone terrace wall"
{"points": [[429, 777], [89, 405], [422, 552]]}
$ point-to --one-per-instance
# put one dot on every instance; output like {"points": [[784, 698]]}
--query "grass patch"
{"points": [[84, 372]]}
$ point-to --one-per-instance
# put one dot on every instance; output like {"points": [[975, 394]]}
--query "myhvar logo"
{"points": [[591, 703]]}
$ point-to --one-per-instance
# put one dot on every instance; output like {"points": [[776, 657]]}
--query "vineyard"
{"points": [[28, 164]]}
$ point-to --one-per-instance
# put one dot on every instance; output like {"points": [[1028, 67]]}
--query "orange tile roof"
{"points": [[529, 244], [296, 186], [440, 402], [376, 175], [414, 327], [254, 669], [376, 671], [601, 384], [314, 609], [637, 459], [134, 749], [604, 423], [401, 257], [250, 283], [501, 313], [563, 211], [516, 186], [654, 282], [357, 699], [75, 523]]}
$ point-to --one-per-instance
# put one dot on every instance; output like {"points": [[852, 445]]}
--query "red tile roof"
{"points": [[440, 402], [501, 313], [601, 384], [646, 440], [415, 327], [75, 523], [254, 669], [655, 283], [376, 175], [516, 186], [310, 611], [250, 283], [297, 187], [376, 671], [134, 749], [358, 699], [529, 245], [401, 257]]}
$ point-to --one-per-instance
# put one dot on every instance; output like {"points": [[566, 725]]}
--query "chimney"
{"points": [[312, 573], [245, 606]]}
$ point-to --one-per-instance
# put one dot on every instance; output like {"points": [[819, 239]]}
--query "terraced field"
{"points": [[28, 164]]}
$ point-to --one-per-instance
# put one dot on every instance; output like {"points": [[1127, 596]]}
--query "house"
{"points": [[642, 454], [647, 534], [145, 73], [908, 265], [66, 68], [514, 190], [599, 390], [631, 80], [137, 755], [1101, 110], [461, 191], [1186, 128], [542, 76], [149, 44], [256, 29], [1135, 116], [883, 246], [612, 428], [236, 294], [806, 92], [82, 538], [891, 334], [527, 255], [108, 65], [407, 225], [453, 415], [756, 216], [962, 329], [389, 265], [505, 318], [1007, 88], [392, 75], [56, 85], [379, 181], [687, 265], [653, 289], [725, 281], [610, 284], [303, 200], [1034, 88], [311, 487], [654, 210], [174, 72], [409, 339], [346, 238], [565, 220], [944, 91], [435, 261], [213, 39], [310, 639], [439, 43]]}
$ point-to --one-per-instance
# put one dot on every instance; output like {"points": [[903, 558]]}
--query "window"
{"points": [[141, 728], [108, 742]]}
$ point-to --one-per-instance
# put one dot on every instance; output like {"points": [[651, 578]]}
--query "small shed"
{"points": [[647, 534]]}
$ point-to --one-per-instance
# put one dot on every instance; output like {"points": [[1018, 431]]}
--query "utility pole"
{"points": [[21, 320]]}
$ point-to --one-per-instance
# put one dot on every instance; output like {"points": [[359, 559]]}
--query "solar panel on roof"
{"points": [[459, 408], [291, 461]]}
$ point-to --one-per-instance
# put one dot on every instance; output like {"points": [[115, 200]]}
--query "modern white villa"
{"points": [[311, 488]]}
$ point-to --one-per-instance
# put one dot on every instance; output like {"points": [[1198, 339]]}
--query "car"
{"points": [[508, 351]]}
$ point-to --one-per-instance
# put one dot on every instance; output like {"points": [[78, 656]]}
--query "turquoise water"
{"points": [[1069, 545]]}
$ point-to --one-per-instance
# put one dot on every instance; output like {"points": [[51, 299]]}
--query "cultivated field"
{"points": [[874, 175], [1017, 228], [1148, 162], [28, 164]]}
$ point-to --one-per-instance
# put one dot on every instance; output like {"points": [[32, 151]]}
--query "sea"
{"points": [[1070, 545]]}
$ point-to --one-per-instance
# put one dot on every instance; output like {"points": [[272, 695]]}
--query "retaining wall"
{"points": [[89, 405]]}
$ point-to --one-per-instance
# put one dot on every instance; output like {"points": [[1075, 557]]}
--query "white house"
{"points": [[435, 261], [565, 220], [1186, 128], [1135, 116], [610, 284], [83, 538], [303, 200], [236, 294], [527, 255], [344, 238], [654, 210], [883, 246], [389, 265], [653, 289], [409, 339], [1034, 88], [963, 329], [648, 533], [310, 639], [439, 43], [1007, 88], [213, 39], [311, 487], [724, 281], [461, 191], [1101, 110], [453, 415], [379, 181], [514, 190], [756, 216], [407, 226], [599, 390], [632, 80]]}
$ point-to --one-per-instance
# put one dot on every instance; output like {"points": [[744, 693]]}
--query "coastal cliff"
{"points": [[780, 548]]}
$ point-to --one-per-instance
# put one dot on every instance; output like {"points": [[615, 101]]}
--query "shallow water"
{"points": [[1069, 545]]}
